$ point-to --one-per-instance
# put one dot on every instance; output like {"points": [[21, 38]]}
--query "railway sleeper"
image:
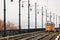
{"points": [[48, 37]]}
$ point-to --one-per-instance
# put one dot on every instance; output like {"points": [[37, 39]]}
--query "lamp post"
{"points": [[19, 18], [42, 17], [46, 15], [56, 20], [35, 16], [28, 16], [5, 18], [59, 22], [53, 17], [50, 16]]}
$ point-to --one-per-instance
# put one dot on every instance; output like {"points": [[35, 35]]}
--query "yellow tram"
{"points": [[49, 26]]}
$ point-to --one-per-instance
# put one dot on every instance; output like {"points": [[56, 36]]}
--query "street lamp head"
{"points": [[22, 5], [29, 4], [11, 0], [38, 12], [30, 9]]}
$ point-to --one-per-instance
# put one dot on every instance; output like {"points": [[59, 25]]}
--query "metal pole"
{"points": [[42, 17], [5, 18], [53, 17], [19, 18], [50, 16], [56, 20], [28, 17], [35, 17], [46, 15], [59, 22]]}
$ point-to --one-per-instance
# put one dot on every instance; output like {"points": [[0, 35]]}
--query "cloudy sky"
{"points": [[12, 11]]}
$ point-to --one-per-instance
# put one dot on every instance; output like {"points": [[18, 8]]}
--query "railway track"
{"points": [[51, 36], [41, 35], [20, 36], [26, 37], [34, 37]]}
